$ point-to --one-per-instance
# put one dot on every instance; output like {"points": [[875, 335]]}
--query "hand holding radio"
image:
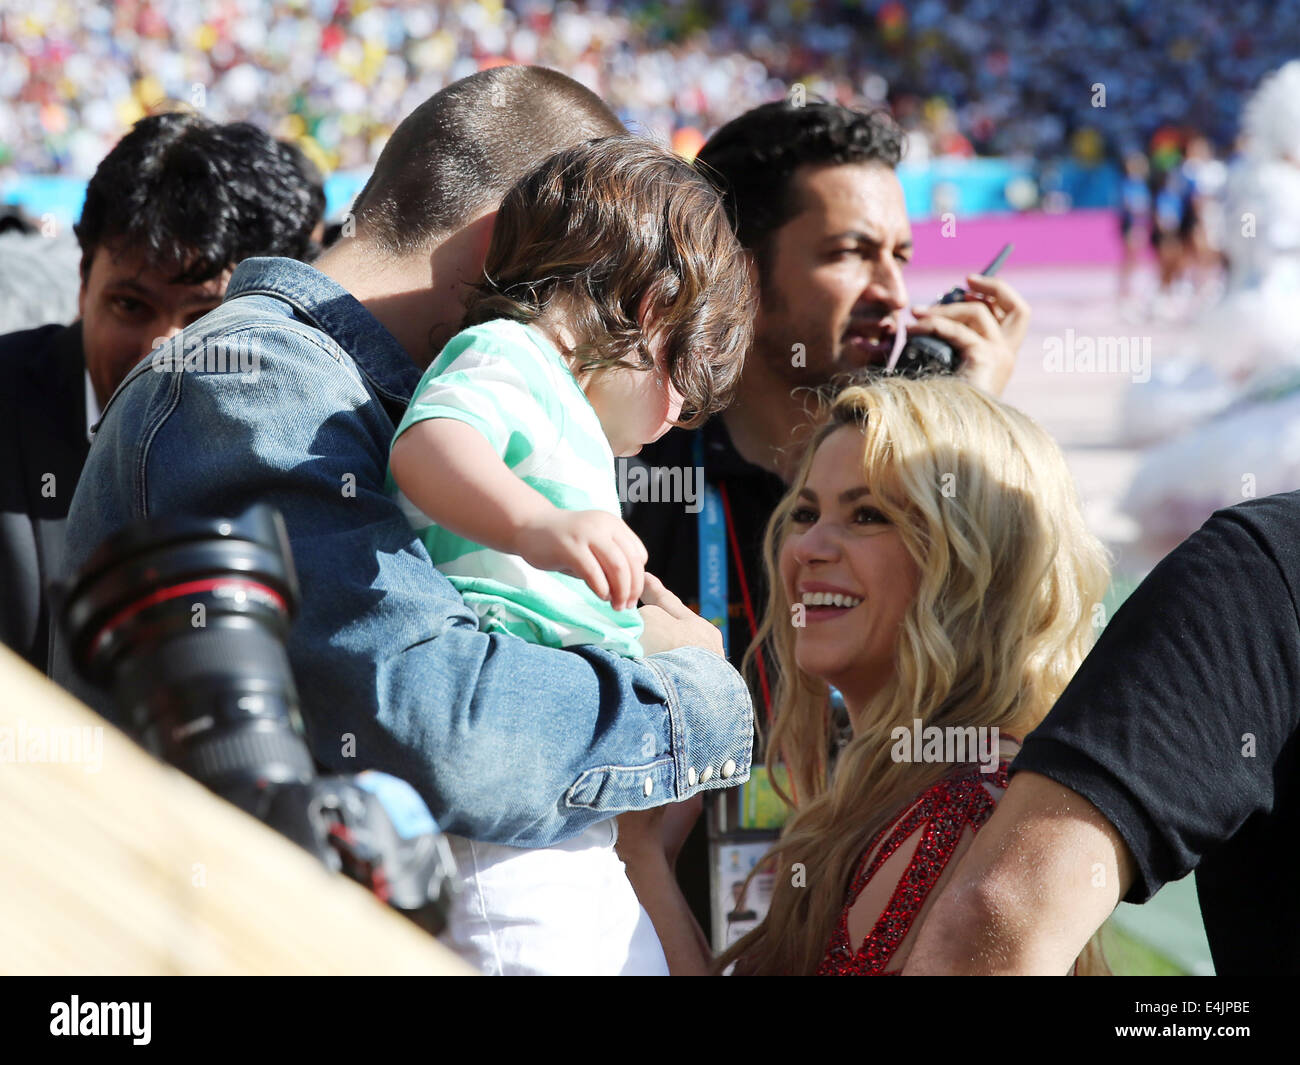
{"points": [[975, 332]]}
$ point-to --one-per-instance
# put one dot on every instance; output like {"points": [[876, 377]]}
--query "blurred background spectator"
{"points": [[150, 264]]}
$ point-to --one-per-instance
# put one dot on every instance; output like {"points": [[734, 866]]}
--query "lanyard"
{"points": [[713, 552]]}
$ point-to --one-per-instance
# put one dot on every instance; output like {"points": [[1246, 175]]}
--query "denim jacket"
{"points": [[289, 393]]}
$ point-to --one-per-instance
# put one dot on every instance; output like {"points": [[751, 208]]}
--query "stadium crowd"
{"points": [[335, 76]]}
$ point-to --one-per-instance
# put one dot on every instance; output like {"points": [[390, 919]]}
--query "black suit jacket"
{"points": [[43, 445]]}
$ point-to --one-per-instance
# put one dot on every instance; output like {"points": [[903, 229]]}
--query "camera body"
{"points": [[184, 620]]}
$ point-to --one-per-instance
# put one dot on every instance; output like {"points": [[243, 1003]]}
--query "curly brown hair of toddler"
{"points": [[598, 228]]}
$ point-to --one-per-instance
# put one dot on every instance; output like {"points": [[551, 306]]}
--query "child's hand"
{"points": [[591, 545]]}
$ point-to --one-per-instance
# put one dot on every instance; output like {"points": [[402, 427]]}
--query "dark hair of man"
{"points": [[754, 157], [315, 188], [458, 152], [598, 228], [196, 197]]}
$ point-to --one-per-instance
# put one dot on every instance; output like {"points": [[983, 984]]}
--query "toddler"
{"points": [[616, 303]]}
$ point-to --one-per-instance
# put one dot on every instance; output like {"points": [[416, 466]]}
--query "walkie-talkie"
{"points": [[924, 354]]}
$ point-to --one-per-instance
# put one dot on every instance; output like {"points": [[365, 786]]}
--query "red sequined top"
{"points": [[958, 801]]}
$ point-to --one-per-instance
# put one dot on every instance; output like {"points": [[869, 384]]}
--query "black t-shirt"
{"points": [[43, 441], [670, 528], [1181, 728]]}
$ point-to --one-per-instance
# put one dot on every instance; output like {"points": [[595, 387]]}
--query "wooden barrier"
{"points": [[114, 863]]}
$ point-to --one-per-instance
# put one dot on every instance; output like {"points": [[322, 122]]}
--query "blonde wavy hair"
{"points": [[1009, 578]]}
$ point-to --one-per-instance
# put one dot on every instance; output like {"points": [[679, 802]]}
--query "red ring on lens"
{"points": [[174, 592]]}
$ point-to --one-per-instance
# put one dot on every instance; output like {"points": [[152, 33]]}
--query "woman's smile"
{"points": [[826, 602], [847, 573]]}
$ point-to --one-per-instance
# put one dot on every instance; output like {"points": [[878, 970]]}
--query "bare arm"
{"points": [[1038, 881], [453, 474], [649, 840], [641, 846]]}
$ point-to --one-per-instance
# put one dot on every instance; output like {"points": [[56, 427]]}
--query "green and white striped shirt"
{"points": [[509, 382]]}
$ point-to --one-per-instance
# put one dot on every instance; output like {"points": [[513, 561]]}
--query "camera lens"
{"points": [[184, 620]]}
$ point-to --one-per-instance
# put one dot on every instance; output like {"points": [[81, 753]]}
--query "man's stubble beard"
{"points": [[783, 346]]}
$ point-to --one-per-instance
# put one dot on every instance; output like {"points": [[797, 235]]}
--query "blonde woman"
{"points": [[932, 564]]}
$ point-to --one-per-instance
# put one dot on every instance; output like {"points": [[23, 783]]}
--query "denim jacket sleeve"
{"points": [[507, 742]]}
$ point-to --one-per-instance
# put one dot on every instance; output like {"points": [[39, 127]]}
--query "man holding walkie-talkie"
{"points": [[814, 197]]}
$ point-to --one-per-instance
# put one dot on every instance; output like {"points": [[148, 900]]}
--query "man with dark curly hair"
{"points": [[813, 194], [169, 213]]}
